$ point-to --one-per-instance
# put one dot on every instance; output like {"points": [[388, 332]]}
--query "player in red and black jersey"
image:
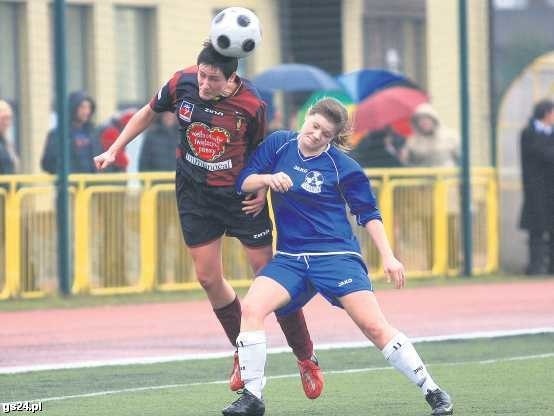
{"points": [[222, 120], [219, 132]]}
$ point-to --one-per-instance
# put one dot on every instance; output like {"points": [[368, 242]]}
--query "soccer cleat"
{"points": [[246, 405], [235, 381], [440, 402], [312, 377]]}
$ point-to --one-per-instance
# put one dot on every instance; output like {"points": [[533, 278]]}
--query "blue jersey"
{"points": [[311, 217]]}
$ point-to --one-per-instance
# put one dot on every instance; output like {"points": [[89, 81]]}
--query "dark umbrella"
{"points": [[387, 107], [364, 82], [295, 77]]}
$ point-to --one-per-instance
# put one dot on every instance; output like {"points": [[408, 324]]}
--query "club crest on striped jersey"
{"points": [[207, 143], [312, 182], [185, 111]]}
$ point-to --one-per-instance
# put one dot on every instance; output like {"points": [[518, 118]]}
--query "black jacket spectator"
{"points": [[378, 150], [158, 151], [537, 172]]}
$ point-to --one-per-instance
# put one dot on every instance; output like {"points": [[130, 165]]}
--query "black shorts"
{"points": [[208, 212]]}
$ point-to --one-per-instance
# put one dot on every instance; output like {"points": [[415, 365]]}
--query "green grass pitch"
{"points": [[500, 376]]}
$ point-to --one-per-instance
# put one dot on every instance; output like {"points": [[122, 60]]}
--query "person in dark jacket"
{"points": [[84, 144], [378, 150], [8, 158], [537, 172], [158, 151]]}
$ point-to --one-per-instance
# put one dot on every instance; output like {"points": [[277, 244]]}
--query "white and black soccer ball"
{"points": [[235, 32]]}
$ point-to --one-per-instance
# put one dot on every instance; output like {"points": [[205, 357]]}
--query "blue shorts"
{"points": [[303, 276]]}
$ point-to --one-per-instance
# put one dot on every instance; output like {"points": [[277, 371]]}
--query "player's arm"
{"points": [[136, 125], [356, 189], [394, 270], [278, 182], [259, 171]]}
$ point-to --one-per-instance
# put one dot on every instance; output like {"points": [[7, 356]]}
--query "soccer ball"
{"points": [[235, 32]]}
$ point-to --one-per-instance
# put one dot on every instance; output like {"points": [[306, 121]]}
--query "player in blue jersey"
{"points": [[221, 119], [312, 182]]}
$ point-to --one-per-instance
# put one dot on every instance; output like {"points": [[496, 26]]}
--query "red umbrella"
{"points": [[387, 107]]}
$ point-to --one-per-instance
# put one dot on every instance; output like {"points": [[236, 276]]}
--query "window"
{"points": [[394, 33], [9, 62], [134, 56], [77, 27], [510, 4]]}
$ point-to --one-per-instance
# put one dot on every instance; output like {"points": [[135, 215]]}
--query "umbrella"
{"points": [[386, 107], [295, 77], [364, 82], [339, 95]]}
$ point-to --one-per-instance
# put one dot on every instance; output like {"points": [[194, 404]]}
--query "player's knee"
{"points": [[373, 330], [251, 312], [208, 281]]}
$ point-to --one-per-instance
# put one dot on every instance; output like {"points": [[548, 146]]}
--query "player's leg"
{"points": [[256, 237], [363, 308], [202, 232], [264, 296], [293, 324]]}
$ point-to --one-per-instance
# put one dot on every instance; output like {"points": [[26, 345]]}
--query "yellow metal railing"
{"points": [[126, 236]]}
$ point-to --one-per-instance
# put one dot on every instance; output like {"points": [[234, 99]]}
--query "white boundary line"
{"points": [[283, 376], [277, 350]]}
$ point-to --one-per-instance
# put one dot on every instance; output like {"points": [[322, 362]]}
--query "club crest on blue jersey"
{"points": [[185, 111], [312, 182]]}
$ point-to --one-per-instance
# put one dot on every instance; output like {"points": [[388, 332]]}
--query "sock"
{"points": [[229, 317], [252, 355], [297, 335], [402, 355]]}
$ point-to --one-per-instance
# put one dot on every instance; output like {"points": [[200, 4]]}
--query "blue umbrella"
{"points": [[364, 82], [267, 96], [295, 77]]}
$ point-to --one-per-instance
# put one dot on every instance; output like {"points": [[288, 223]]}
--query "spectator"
{"points": [[8, 159], [110, 131], [158, 151], [430, 143], [83, 143], [537, 173], [378, 150]]}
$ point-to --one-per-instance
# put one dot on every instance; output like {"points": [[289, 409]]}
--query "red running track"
{"points": [[61, 336]]}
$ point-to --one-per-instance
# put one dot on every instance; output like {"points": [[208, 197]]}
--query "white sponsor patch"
{"points": [[211, 166]]}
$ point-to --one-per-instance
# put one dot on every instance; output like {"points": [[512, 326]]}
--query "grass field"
{"points": [[500, 376]]}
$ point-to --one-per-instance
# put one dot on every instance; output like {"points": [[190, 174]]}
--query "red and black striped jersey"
{"points": [[217, 136]]}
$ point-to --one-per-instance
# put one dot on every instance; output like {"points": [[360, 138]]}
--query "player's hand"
{"points": [[279, 182], [254, 203], [394, 270], [102, 161]]}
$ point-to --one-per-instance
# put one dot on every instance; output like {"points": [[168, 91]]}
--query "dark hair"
{"points": [[542, 108], [336, 113], [209, 56]]}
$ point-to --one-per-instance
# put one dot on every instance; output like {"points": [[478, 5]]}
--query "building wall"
{"points": [[179, 31], [180, 28], [443, 70]]}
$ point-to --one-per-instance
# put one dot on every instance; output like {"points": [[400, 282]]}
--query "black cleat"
{"points": [[440, 402], [246, 405]]}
